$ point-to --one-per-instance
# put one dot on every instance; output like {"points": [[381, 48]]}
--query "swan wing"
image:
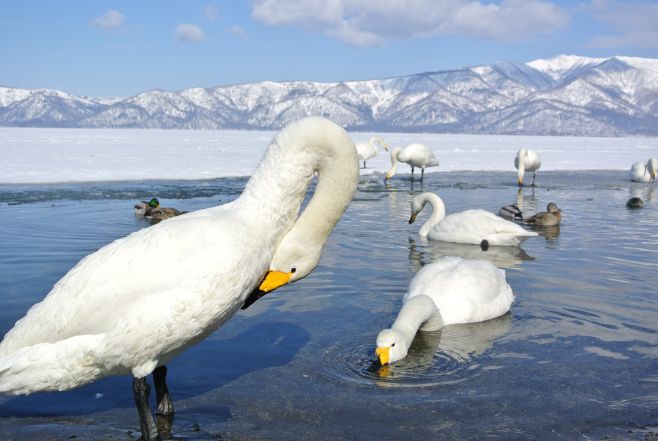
{"points": [[464, 291]]}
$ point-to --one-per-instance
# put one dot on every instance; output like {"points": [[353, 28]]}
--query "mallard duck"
{"points": [[511, 211], [478, 227], [193, 272], [527, 160], [549, 218], [644, 172], [446, 292], [367, 150], [416, 155], [153, 211]]}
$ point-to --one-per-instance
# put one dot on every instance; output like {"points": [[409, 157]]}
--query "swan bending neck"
{"points": [[438, 211], [418, 312]]}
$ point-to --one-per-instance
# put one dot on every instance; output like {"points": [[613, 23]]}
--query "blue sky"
{"points": [[120, 48]]}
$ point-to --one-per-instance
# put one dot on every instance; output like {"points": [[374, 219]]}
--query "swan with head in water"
{"points": [[644, 172], [478, 227], [133, 305], [367, 150], [446, 292], [416, 155], [527, 160]]}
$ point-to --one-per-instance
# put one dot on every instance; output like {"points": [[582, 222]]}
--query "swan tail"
{"points": [[57, 366]]}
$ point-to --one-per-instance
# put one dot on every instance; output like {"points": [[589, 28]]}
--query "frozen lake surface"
{"points": [[30, 155], [575, 359]]}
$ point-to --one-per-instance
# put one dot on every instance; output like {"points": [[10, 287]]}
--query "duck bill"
{"points": [[383, 354], [412, 219], [274, 280]]}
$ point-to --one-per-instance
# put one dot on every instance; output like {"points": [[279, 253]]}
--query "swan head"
{"points": [[652, 167], [417, 205], [293, 261], [392, 346]]}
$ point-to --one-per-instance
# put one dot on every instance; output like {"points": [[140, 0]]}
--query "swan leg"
{"points": [[422, 174], [165, 405], [141, 391], [412, 173], [534, 174], [364, 164]]}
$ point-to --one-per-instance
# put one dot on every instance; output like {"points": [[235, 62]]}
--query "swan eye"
{"points": [[392, 344], [293, 270]]}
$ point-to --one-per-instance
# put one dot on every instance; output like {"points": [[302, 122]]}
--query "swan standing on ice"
{"points": [[527, 160], [416, 155], [449, 291], [367, 150], [135, 304], [641, 172], [478, 227]]}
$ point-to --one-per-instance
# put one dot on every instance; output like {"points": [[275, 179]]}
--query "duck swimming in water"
{"points": [[549, 218], [154, 212]]}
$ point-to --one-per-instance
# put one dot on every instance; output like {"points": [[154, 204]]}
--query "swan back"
{"points": [[463, 291], [418, 155]]}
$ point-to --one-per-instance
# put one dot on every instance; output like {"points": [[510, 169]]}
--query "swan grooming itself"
{"points": [[153, 211], [527, 160], [133, 305], [478, 227], [641, 172], [446, 292], [416, 155], [549, 218], [511, 211], [367, 150]]}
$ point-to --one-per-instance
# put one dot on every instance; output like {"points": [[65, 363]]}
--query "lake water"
{"points": [[576, 358]]}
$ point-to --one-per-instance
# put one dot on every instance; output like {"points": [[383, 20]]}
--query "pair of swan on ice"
{"points": [[112, 314], [415, 155]]}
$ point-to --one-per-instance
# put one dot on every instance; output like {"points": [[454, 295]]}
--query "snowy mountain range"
{"points": [[566, 95]]}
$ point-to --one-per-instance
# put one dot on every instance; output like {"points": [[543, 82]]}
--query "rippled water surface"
{"points": [[575, 359]]}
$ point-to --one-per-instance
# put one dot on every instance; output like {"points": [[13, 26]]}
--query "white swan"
{"points": [[641, 172], [416, 155], [446, 292], [527, 160], [478, 227], [367, 150], [136, 303]]}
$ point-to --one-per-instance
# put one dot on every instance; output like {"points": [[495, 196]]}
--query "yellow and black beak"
{"points": [[412, 218], [383, 354], [271, 281], [274, 280]]}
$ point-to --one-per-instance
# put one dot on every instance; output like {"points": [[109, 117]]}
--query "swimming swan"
{"points": [[367, 150], [478, 227], [416, 155], [527, 160], [141, 300], [446, 292], [641, 172]]}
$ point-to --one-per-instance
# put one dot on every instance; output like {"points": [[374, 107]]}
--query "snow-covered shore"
{"points": [[34, 155]]}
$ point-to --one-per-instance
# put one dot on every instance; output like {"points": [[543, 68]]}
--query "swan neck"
{"points": [[416, 312], [278, 186], [394, 161], [438, 212]]}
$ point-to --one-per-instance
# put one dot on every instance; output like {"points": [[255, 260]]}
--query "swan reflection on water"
{"points": [[425, 252], [446, 355]]}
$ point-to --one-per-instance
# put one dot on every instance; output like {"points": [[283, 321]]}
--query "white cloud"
{"points": [[634, 23], [371, 22], [210, 12], [111, 19], [190, 33], [237, 31]]}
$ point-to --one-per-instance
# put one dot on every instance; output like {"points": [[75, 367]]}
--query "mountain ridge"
{"points": [[564, 95]]}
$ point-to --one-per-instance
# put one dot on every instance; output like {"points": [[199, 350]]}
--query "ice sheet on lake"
{"points": [[35, 155]]}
